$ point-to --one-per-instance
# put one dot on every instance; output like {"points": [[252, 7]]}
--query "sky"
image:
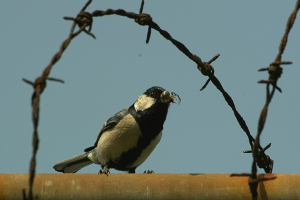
{"points": [[106, 75]]}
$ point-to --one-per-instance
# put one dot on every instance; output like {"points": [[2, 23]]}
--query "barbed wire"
{"points": [[275, 72], [40, 84], [84, 20]]}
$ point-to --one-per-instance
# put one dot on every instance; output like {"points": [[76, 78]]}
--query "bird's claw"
{"points": [[104, 170], [148, 172]]}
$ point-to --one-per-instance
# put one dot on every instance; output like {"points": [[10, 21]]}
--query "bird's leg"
{"points": [[104, 170], [149, 172], [132, 171]]}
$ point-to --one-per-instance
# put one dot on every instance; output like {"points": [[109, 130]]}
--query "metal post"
{"points": [[147, 186]]}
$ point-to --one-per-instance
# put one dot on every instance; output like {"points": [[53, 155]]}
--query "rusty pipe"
{"points": [[147, 186]]}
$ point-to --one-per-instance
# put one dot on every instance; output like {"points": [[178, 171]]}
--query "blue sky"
{"points": [[103, 76]]}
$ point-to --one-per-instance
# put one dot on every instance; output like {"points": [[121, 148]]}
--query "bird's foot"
{"points": [[148, 172], [104, 170]]}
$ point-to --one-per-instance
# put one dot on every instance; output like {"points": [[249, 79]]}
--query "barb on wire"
{"points": [[55, 79], [83, 20], [39, 85], [275, 72], [28, 81], [139, 21], [210, 68], [142, 7]]}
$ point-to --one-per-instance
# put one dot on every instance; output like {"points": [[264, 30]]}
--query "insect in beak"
{"points": [[166, 98], [175, 96]]}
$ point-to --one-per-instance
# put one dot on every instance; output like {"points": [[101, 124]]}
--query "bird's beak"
{"points": [[166, 98]]}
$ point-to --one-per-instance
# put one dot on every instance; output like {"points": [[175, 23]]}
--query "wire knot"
{"points": [[264, 161], [83, 20], [275, 71], [207, 70], [40, 81], [143, 19]]}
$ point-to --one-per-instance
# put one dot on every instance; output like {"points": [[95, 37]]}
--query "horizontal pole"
{"points": [[147, 186]]}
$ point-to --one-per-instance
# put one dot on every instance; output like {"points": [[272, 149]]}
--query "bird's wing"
{"points": [[109, 124]]}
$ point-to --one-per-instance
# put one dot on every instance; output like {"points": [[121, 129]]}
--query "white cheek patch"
{"points": [[143, 102]]}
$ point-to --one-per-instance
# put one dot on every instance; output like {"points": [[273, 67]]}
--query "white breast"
{"points": [[121, 138], [146, 152]]}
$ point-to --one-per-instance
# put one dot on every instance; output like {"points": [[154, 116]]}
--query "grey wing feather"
{"points": [[109, 124]]}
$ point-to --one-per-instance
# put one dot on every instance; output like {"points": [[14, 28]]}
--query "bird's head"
{"points": [[155, 95]]}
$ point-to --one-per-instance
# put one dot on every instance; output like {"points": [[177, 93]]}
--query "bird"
{"points": [[126, 139]]}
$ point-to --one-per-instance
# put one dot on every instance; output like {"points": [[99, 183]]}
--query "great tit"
{"points": [[127, 139]]}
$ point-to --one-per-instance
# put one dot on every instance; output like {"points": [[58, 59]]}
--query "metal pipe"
{"points": [[147, 186]]}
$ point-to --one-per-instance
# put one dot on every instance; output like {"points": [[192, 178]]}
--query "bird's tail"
{"points": [[72, 165]]}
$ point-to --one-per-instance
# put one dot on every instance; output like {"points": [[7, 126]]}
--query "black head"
{"points": [[159, 94], [153, 96]]}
